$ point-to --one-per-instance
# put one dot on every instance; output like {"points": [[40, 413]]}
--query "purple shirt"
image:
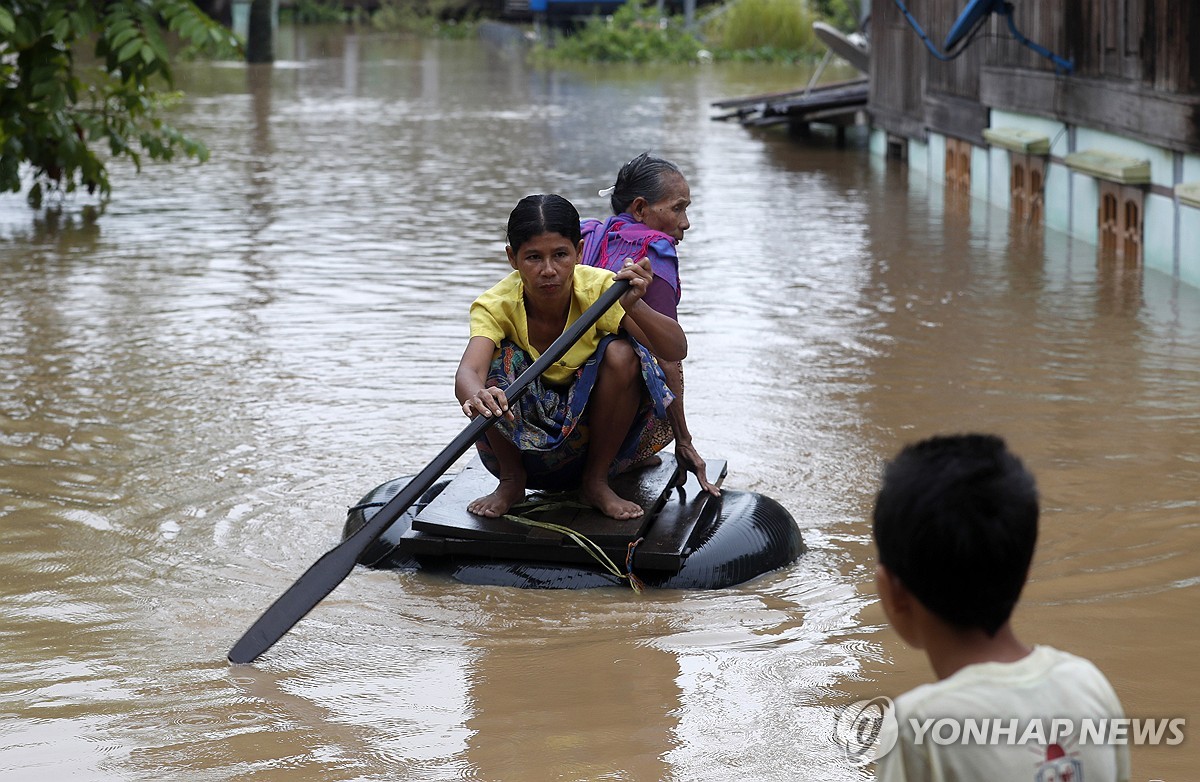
{"points": [[607, 244]]}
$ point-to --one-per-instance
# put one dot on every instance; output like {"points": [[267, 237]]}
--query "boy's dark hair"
{"points": [[956, 522], [643, 176], [535, 215]]}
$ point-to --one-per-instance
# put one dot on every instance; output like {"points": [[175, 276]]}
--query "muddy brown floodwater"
{"points": [[194, 388]]}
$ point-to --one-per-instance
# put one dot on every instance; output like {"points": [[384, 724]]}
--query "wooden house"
{"points": [[1108, 152]]}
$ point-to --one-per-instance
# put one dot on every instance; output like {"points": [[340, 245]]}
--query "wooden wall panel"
{"points": [[898, 72], [1137, 67]]}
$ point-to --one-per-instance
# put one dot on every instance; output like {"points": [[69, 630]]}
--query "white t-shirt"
{"points": [[1033, 720]]}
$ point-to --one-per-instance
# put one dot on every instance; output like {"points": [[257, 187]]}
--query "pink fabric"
{"points": [[607, 244]]}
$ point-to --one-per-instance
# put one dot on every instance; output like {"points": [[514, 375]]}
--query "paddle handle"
{"points": [[323, 576]]}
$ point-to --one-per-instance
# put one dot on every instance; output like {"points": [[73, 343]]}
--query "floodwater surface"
{"points": [[195, 386]]}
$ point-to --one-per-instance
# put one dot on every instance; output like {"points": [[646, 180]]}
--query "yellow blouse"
{"points": [[499, 313]]}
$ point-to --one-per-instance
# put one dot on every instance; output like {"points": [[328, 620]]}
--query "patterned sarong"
{"points": [[551, 426]]}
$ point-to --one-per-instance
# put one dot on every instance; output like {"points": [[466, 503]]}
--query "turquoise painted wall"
{"points": [[1189, 228], [1171, 230], [920, 159], [998, 176], [1189, 245], [878, 143], [1158, 233], [980, 184], [1191, 168], [1085, 205], [1056, 195]]}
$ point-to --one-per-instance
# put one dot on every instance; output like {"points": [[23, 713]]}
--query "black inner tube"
{"points": [[739, 536]]}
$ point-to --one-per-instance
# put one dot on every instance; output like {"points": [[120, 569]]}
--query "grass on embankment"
{"points": [[737, 30], [759, 30]]}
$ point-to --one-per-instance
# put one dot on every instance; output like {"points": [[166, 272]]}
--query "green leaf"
{"points": [[43, 72], [130, 49], [155, 39], [62, 30], [113, 27], [26, 32], [8, 25], [81, 23], [125, 35], [184, 25], [43, 88]]}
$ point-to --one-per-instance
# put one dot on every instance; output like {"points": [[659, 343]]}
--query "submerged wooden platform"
{"points": [[837, 103], [444, 527]]}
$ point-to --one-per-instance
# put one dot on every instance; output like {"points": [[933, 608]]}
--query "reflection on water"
{"points": [[195, 385]]}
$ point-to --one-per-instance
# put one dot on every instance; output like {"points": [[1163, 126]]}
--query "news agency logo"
{"points": [[993, 731], [866, 730]]}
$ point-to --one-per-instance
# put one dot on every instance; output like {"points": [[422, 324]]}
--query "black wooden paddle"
{"points": [[332, 568]]}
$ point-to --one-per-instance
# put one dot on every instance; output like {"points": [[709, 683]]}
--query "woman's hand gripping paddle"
{"points": [[329, 571]]}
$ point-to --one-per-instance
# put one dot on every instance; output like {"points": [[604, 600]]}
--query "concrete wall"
{"points": [[1171, 229], [1189, 226]]}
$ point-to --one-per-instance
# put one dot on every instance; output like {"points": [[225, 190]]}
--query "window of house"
{"points": [[1026, 177], [958, 165], [1120, 221]]}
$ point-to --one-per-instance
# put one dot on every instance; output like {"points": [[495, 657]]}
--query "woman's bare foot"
{"points": [[507, 494], [601, 496]]}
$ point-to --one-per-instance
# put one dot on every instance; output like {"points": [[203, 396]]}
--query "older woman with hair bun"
{"points": [[649, 202]]}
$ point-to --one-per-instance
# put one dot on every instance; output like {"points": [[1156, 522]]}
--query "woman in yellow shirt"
{"points": [[581, 421]]}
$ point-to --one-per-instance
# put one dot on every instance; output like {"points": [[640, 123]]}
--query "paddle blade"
{"points": [[311, 588], [293, 605]]}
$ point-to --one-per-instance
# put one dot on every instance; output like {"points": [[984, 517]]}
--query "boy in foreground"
{"points": [[955, 523]]}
